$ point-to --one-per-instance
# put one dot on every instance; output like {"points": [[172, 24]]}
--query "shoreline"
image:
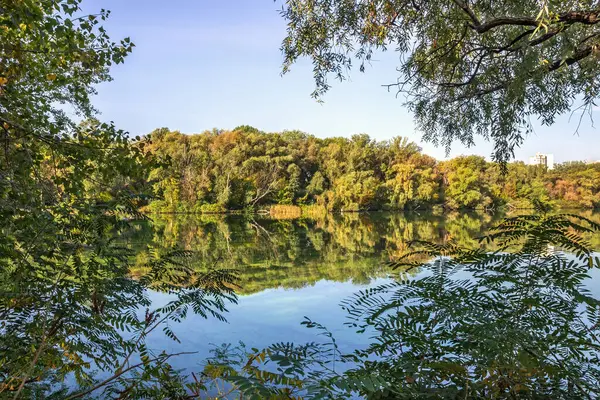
{"points": [[437, 210]]}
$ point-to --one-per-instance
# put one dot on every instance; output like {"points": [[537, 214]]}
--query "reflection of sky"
{"points": [[594, 285], [274, 315], [268, 317]]}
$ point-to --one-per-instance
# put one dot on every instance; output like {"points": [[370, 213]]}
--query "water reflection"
{"points": [[293, 268], [295, 253]]}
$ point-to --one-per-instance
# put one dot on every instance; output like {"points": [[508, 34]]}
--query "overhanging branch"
{"points": [[590, 17]]}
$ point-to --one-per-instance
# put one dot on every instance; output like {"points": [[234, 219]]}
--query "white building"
{"points": [[542, 159]]}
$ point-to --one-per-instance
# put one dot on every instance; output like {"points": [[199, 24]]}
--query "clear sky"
{"points": [[202, 64]]}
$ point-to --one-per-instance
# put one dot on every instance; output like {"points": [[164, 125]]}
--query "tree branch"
{"points": [[469, 12], [577, 56], [515, 21], [161, 358], [591, 17], [471, 78]]}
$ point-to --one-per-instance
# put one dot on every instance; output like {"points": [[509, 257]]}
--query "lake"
{"points": [[289, 269]]}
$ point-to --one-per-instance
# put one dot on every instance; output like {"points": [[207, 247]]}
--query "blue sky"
{"points": [[201, 64]]}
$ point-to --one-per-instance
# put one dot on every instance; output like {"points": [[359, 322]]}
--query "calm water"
{"points": [[294, 268]]}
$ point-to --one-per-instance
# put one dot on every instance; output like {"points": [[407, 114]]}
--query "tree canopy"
{"points": [[466, 67], [246, 168]]}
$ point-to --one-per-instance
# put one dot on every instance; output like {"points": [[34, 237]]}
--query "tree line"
{"points": [[246, 168]]}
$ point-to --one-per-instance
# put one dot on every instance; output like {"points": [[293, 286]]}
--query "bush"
{"points": [[212, 209], [160, 207], [285, 211]]}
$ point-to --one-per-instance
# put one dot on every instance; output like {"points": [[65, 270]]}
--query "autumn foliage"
{"points": [[245, 168]]}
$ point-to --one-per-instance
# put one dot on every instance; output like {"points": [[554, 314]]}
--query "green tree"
{"points": [[317, 184], [414, 183], [68, 190], [465, 186], [468, 68], [248, 169], [355, 191]]}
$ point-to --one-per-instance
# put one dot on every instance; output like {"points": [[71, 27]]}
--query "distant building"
{"points": [[542, 159]]}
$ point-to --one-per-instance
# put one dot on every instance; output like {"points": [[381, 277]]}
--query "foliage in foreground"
{"points": [[507, 324], [466, 67], [67, 192], [69, 311]]}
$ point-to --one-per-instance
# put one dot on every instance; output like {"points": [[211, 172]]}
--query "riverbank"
{"points": [[279, 211]]}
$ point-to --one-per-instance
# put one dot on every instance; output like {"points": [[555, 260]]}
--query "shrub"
{"points": [[212, 209], [285, 211]]}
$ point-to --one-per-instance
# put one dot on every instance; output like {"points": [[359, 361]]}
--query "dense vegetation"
{"points": [[68, 190], [246, 168]]}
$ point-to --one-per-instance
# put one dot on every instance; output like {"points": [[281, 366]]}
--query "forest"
{"points": [[245, 168], [79, 278]]}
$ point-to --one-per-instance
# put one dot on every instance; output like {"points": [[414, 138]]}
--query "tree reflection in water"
{"points": [[293, 253]]}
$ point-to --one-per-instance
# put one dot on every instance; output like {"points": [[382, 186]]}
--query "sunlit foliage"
{"points": [[248, 169], [68, 191]]}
